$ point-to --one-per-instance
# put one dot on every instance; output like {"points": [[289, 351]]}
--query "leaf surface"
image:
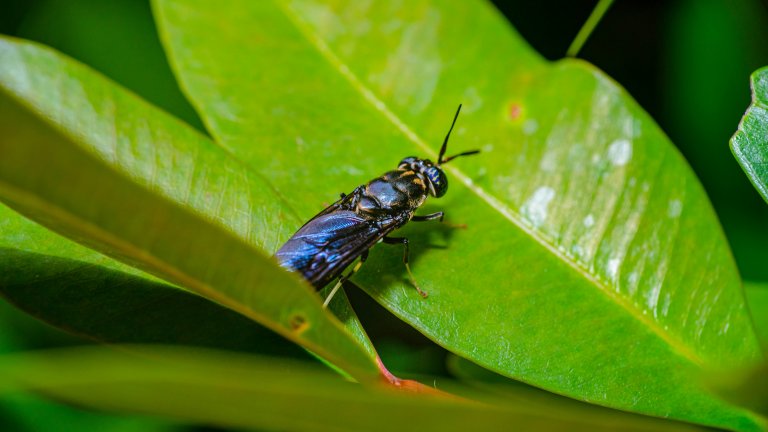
{"points": [[236, 391], [90, 160], [750, 143], [93, 296], [593, 264], [757, 297]]}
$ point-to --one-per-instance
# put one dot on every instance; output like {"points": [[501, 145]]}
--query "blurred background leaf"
{"points": [[750, 143], [30, 413], [228, 390], [117, 38], [710, 49], [26, 412]]}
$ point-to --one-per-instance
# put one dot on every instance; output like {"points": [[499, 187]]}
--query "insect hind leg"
{"points": [[343, 279], [406, 252]]}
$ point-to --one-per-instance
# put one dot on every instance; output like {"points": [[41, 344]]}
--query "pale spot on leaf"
{"points": [[675, 208], [589, 220], [612, 268], [535, 209], [530, 127], [620, 152]]}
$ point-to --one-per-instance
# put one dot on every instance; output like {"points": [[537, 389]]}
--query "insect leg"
{"points": [[342, 278], [406, 251], [440, 216], [429, 217]]}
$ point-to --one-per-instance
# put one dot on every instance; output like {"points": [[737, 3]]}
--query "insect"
{"points": [[333, 239]]}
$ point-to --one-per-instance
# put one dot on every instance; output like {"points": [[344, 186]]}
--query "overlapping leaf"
{"points": [[750, 143], [89, 159], [91, 295], [593, 264], [236, 391]]}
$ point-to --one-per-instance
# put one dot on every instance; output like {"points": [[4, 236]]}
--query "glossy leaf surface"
{"points": [[750, 143], [593, 264], [90, 160], [237, 391]]}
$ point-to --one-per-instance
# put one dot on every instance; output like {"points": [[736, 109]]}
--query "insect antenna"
{"points": [[440, 159]]}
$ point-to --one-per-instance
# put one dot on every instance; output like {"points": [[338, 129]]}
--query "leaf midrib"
{"points": [[369, 96]]}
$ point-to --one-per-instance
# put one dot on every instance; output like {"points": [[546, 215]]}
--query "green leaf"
{"points": [[92, 161], [117, 38], [750, 143], [342, 309], [757, 297], [593, 264], [23, 413], [745, 387], [236, 391], [98, 298], [503, 388]]}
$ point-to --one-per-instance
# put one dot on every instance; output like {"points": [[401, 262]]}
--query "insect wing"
{"points": [[343, 203], [328, 243]]}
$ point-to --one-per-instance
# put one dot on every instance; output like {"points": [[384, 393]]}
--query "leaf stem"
{"points": [[588, 27]]}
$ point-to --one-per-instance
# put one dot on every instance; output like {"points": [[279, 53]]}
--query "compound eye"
{"points": [[406, 163], [437, 180]]}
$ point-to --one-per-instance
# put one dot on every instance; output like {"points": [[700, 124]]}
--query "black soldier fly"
{"points": [[327, 244]]}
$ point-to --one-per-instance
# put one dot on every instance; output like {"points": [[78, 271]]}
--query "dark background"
{"points": [[687, 62]]}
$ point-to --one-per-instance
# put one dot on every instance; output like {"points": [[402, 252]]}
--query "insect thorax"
{"points": [[393, 193]]}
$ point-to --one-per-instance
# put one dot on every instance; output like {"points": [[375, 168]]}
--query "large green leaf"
{"points": [[593, 264], [89, 159], [228, 390], [750, 143]]}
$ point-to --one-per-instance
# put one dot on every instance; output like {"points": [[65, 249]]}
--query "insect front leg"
{"points": [[342, 278], [406, 252]]}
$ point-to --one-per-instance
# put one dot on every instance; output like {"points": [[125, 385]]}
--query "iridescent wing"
{"points": [[329, 242]]}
